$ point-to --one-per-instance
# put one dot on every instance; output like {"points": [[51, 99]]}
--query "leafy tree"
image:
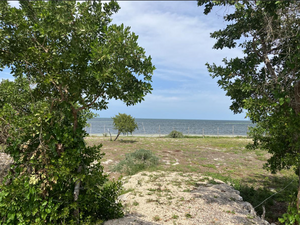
{"points": [[124, 124], [67, 58], [266, 81]]}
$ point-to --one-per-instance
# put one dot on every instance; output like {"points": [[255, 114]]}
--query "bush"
{"points": [[31, 199], [175, 134], [137, 161], [292, 216]]}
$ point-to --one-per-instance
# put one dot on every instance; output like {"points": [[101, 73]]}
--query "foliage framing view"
{"points": [[265, 81], [67, 58]]}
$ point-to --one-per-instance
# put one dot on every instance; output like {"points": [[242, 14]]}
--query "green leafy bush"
{"points": [[59, 76], [137, 161], [292, 216], [175, 134], [46, 196]]}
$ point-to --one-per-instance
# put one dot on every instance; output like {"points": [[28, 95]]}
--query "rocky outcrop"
{"points": [[176, 198]]}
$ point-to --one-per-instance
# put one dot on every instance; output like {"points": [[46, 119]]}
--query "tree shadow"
{"points": [[133, 218], [274, 193], [127, 141], [223, 194]]}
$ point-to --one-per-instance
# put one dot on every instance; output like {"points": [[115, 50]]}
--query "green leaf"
{"points": [[11, 216], [281, 101]]}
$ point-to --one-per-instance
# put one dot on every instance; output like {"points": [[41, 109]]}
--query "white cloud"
{"points": [[174, 40], [177, 36], [14, 3]]}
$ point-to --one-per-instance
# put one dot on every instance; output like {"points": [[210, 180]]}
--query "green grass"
{"points": [[2, 148], [125, 191], [175, 217], [135, 203], [209, 166], [222, 158]]}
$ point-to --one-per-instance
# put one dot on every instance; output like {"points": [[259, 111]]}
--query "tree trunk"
{"points": [[298, 195], [78, 181], [297, 110], [76, 193], [77, 185], [117, 135]]}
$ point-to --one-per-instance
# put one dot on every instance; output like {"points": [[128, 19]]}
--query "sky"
{"points": [[177, 36]]}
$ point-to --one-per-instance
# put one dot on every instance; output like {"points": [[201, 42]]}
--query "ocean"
{"points": [[156, 127]]}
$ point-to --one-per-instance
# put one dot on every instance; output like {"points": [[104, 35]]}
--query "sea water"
{"points": [[153, 127]]}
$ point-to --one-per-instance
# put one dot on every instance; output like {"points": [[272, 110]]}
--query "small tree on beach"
{"points": [[124, 124]]}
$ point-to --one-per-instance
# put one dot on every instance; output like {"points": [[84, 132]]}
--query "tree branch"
{"points": [[88, 105], [39, 44]]}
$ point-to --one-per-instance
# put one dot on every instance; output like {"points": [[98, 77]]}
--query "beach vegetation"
{"points": [[137, 161], [124, 124], [175, 134], [156, 218]]}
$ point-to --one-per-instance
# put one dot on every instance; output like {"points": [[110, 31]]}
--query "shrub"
{"points": [[175, 134], [137, 161], [35, 200], [292, 216]]}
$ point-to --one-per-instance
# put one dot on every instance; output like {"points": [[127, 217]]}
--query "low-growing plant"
{"points": [[150, 200], [135, 203], [292, 216], [125, 191], [175, 216], [175, 134], [156, 218], [137, 161], [232, 212], [188, 215], [209, 166]]}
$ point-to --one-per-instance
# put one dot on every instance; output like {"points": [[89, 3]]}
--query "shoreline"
{"points": [[165, 135]]}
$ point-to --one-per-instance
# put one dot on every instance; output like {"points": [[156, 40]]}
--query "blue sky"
{"points": [[177, 36]]}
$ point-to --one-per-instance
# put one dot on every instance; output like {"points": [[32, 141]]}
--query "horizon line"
{"points": [[176, 119]]}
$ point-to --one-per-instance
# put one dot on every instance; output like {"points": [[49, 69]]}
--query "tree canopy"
{"points": [[124, 124], [71, 51], [265, 81], [67, 58]]}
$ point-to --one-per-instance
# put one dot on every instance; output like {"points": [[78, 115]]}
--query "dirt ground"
{"points": [[226, 156]]}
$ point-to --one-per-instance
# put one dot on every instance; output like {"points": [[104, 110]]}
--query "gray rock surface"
{"points": [[176, 198]]}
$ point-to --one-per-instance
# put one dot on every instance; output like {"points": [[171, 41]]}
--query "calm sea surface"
{"points": [[165, 126]]}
